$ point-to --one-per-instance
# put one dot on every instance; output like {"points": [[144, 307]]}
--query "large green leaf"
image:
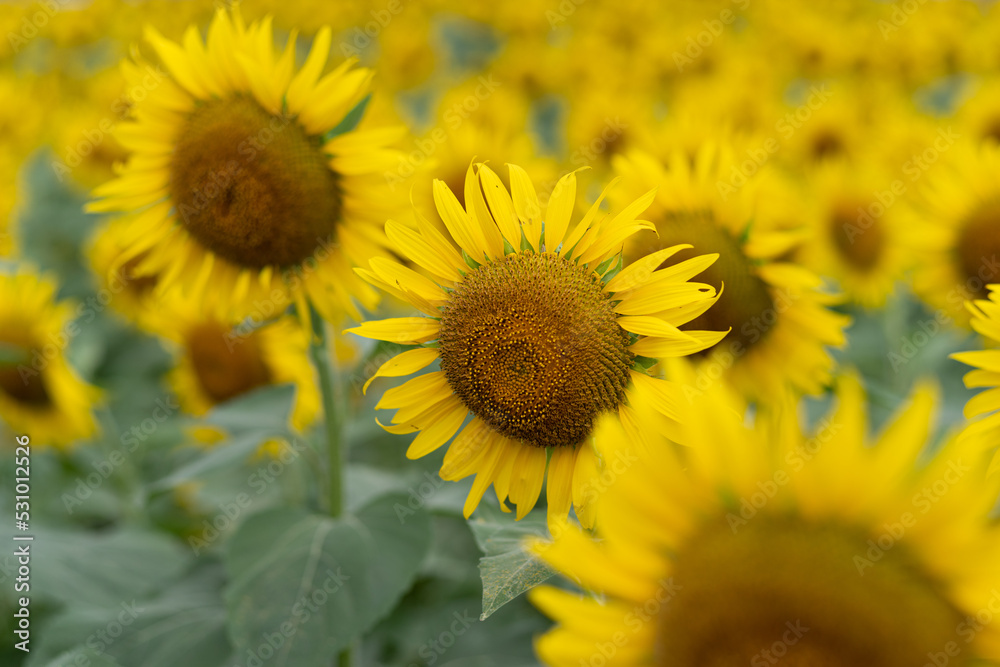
{"points": [[304, 586], [102, 569], [251, 420], [186, 625], [507, 570]]}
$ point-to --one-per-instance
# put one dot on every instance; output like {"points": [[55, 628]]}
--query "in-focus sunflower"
{"points": [[217, 359], [777, 315], [955, 230], [536, 331], [761, 546], [238, 183], [40, 394], [984, 406]]}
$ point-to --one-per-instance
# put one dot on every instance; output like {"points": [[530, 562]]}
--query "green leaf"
{"points": [[233, 452], [266, 409], [251, 420], [319, 582], [184, 626], [80, 656], [507, 570], [102, 569]]}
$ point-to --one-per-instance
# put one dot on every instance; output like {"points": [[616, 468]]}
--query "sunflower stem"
{"points": [[330, 391]]}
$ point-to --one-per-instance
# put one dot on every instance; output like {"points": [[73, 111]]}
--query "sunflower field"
{"points": [[399, 333]]}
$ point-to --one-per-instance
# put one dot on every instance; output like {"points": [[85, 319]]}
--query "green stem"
{"points": [[329, 387], [320, 353]]}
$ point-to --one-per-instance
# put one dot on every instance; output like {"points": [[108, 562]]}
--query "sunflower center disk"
{"points": [[24, 384], [860, 241], [746, 304], [252, 187], [531, 346], [226, 366], [804, 595], [978, 248]]}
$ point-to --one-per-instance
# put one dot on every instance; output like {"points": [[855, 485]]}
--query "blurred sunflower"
{"points": [[762, 544], [955, 229], [131, 294], [777, 316], [217, 360], [40, 394], [238, 183], [857, 240], [984, 406], [536, 330], [979, 114]]}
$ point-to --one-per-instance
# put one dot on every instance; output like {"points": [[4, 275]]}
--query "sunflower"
{"points": [[857, 240], [239, 184], [476, 121], [761, 544], [979, 114], [777, 315], [40, 394], [129, 294], [955, 228], [536, 331], [217, 359], [983, 407]]}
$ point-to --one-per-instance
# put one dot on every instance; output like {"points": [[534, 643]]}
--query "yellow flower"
{"points": [[858, 240], [128, 293], [534, 336], [983, 406], [217, 359], [40, 394], [954, 227], [776, 314], [236, 186], [759, 543]]}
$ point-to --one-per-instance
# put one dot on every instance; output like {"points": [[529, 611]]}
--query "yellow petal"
{"points": [[404, 330], [408, 362]]}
